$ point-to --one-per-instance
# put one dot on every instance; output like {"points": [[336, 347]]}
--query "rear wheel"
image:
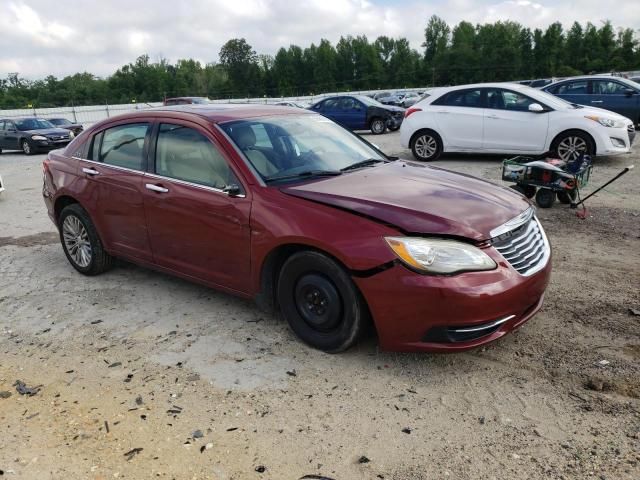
{"points": [[320, 302], [567, 196], [426, 146], [377, 126], [81, 243], [545, 198]]}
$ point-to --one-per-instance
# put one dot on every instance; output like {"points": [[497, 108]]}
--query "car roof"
{"points": [[222, 112]]}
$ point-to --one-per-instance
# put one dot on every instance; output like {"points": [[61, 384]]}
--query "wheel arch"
{"points": [[553, 143], [272, 264], [420, 131], [61, 202]]}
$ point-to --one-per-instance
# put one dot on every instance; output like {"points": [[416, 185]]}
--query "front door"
{"points": [[510, 126], [113, 191], [615, 96], [195, 227]]}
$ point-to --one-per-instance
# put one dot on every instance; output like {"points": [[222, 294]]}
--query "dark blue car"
{"points": [[357, 112], [611, 93]]}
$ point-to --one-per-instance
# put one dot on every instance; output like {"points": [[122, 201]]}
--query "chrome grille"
{"points": [[526, 248]]}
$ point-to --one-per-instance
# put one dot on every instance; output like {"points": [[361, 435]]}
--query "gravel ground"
{"points": [[142, 375]]}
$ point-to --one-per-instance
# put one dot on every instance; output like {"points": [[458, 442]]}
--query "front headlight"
{"points": [[439, 256], [71, 134], [606, 122], [38, 137]]}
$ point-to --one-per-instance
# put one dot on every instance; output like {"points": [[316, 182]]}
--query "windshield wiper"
{"points": [[306, 173], [364, 163]]}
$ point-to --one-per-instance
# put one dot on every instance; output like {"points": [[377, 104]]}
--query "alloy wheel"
{"points": [[76, 241], [26, 148], [378, 126], [571, 147], [426, 146]]}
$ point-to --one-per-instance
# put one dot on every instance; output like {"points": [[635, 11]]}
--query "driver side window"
{"points": [[185, 154]]}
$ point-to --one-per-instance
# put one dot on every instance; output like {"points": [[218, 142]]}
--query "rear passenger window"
{"points": [[185, 154], [572, 88], [461, 98], [123, 146]]}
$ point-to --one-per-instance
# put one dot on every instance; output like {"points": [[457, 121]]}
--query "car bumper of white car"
{"points": [[614, 141]]}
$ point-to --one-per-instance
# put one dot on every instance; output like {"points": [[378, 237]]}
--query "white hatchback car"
{"points": [[512, 119]]}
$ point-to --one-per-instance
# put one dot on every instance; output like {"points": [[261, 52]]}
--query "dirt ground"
{"points": [[143, 375]]}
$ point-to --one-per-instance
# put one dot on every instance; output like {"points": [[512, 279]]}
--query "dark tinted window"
{"points": [[1, 124], [461, 98], [349, 103], [500, 99], [608, 87], [330, 104], [571, 88], [185, 154], [60, 121], [33, 124], [123, 145]]}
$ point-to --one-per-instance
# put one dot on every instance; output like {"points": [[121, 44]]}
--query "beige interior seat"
{"points": [[245, 137]]}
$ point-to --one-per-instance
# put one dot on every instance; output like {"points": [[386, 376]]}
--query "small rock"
{"points": [[197, 434], [193, 378], [634, 311], [481, 420], [261, 469], [406, 430], [292, 373], [5, 394], [139, 400], [363, 459], [604, 363], [515, 456]]}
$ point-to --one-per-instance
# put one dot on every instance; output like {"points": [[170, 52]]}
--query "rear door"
{"points": [[510, 126], [2, 134], [460, 117], [113, 192], [353, 113], [11, 136], [195, 227], [612, 95], [573, 91]]}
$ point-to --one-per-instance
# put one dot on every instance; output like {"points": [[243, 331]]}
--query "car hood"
{"points": [[604, 113], [419, 199], [48, 131], [393, 108]]}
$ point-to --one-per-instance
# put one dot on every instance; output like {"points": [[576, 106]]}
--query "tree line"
{"points": [[464, 53]]}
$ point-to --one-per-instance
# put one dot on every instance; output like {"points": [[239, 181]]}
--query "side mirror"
{"points": [[233, 190], [536, 108], [629, 92]]}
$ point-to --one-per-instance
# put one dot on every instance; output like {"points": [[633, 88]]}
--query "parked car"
{"points": [[76, 128], [186, 101], [291, 104], [513, 119], [381, 96], [286, 207], [635, 79], [359, 112], [411, 98], [540, 82], [603, 91], [32, 135]]}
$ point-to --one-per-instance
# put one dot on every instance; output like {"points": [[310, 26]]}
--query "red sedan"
{"points": [[286, 207]]}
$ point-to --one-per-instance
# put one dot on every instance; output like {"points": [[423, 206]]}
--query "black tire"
{"points": [[99, 260], [545, 198], [27, 148], [517, 188], [394, 129], [566, 197], [569, 145], [377, 126], [320, 302], [426, 145]]}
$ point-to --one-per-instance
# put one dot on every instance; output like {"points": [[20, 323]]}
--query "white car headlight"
{"points": [[38, 137], [606, 122], [71, 134], [439, 256]]}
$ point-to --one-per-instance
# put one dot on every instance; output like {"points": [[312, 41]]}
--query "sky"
{"points": [[41, 37]]}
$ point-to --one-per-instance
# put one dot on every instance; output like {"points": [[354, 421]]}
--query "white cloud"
{"points": [[40, 38]]}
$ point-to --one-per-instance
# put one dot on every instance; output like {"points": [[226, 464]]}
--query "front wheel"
{"points": [[320, 302], [81, 243], [545, 198], [378, 126], [570, 145], [426, 146], [27, 148], [394, 129]]}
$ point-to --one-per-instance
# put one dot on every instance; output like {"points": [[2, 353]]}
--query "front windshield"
{"points": [[298, 145], [33, 124]]}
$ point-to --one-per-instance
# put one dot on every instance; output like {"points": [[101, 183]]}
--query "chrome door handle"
{"points": [[596, 101], [90, 171], [156, 188]]}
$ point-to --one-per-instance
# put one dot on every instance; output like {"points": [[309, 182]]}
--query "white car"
{"points": [[511, 119]]}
